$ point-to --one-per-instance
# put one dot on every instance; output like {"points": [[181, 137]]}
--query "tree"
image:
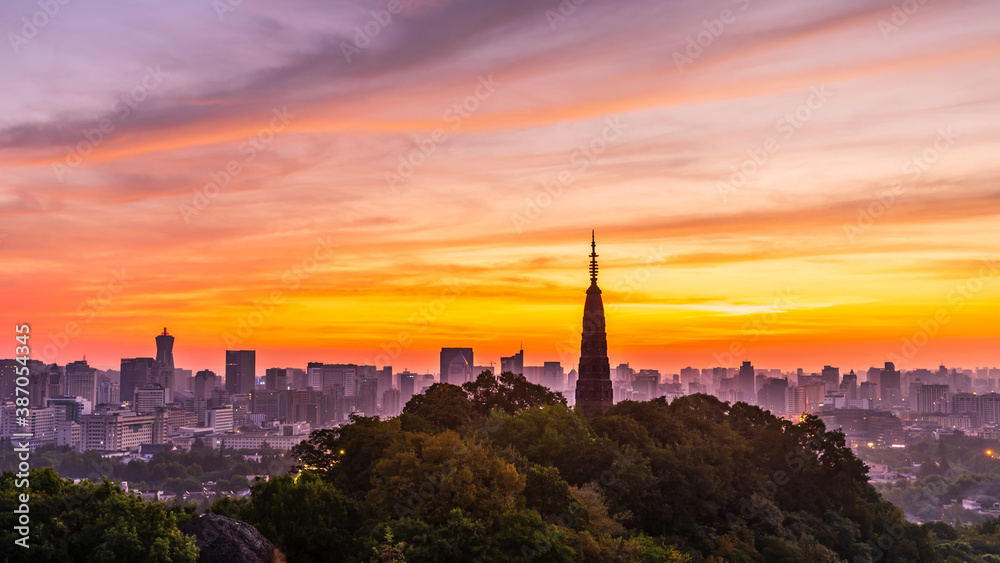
{"points": [[510, 393], [307, 518], [427, 476], [92, 522], [444, 405]]}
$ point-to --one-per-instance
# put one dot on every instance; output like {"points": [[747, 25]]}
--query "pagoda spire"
{"points": [[593, 259]]}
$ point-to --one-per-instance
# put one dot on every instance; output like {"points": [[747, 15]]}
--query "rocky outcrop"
{"points": [[225, 540]]}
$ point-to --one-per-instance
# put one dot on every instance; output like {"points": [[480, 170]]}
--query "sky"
{"points": [[795, 183]]}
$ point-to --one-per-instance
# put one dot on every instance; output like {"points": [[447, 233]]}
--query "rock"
{"points": [[225, 540]]}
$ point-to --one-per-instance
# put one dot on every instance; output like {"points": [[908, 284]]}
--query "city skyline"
{"points": [[748, 186]]}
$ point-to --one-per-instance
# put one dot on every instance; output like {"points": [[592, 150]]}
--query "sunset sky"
{"points": [[431, 177]]}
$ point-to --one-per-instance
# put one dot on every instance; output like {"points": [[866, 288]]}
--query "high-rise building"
{"points": [[304, 405], [268, 402], [148, 398], [240, 371], [204, 382], [553, 376], [849, 386], [390, 403], [690, 375], [624, 373], [276, 379], [773, 395], [368, 397], [746, 383], [456, 365], [385, 380], [831, 378], [932, 398], [81, 381], [297, 378], [407, 386], [134, 373], [220, 419], [8, 377], [868, 390], [165, 350], [891, 392], [314, 376], [594, 392], [108, 393], [513, 364]]}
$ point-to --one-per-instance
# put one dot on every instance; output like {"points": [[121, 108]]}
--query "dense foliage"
{"points": [[89, 522], [468, 474]]}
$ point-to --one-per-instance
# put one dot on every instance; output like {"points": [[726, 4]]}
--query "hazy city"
{"points": [[407, 281]]}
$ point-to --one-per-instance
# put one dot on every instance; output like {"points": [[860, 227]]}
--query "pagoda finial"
{"points": [[593, 258]]}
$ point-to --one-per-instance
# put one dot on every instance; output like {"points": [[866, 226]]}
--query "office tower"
{"points": [[849, 387], [831, 378], [8, 379], [890, 385], [456, 365], [963, 403], [268, 402], [134, 373], [773, 395], [108, 393], [553, 376], [148, 398], [868, 390], [164, 377], [407, 386], [368, 397], [594, 392], [390, 403], [204, 382], [513, 364], [303, 405], [165, 350], [623, 373], [932, 398], [646, 386], [220, 419], [240, 371], [746, 384], [314, 376], [385, 380], [118, 430], [276, 379], [875, 376], [81, 381], [571, 379], [343, 375], [297, 378]]}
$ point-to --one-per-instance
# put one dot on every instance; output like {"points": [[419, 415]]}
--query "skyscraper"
{"points": [[513, 364], [135, 373], [81, 381], [407, 385], [456, 365], [165, 350], [594, 391], [746, 384], [276, 379], [890, 385], [240, 371]]}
